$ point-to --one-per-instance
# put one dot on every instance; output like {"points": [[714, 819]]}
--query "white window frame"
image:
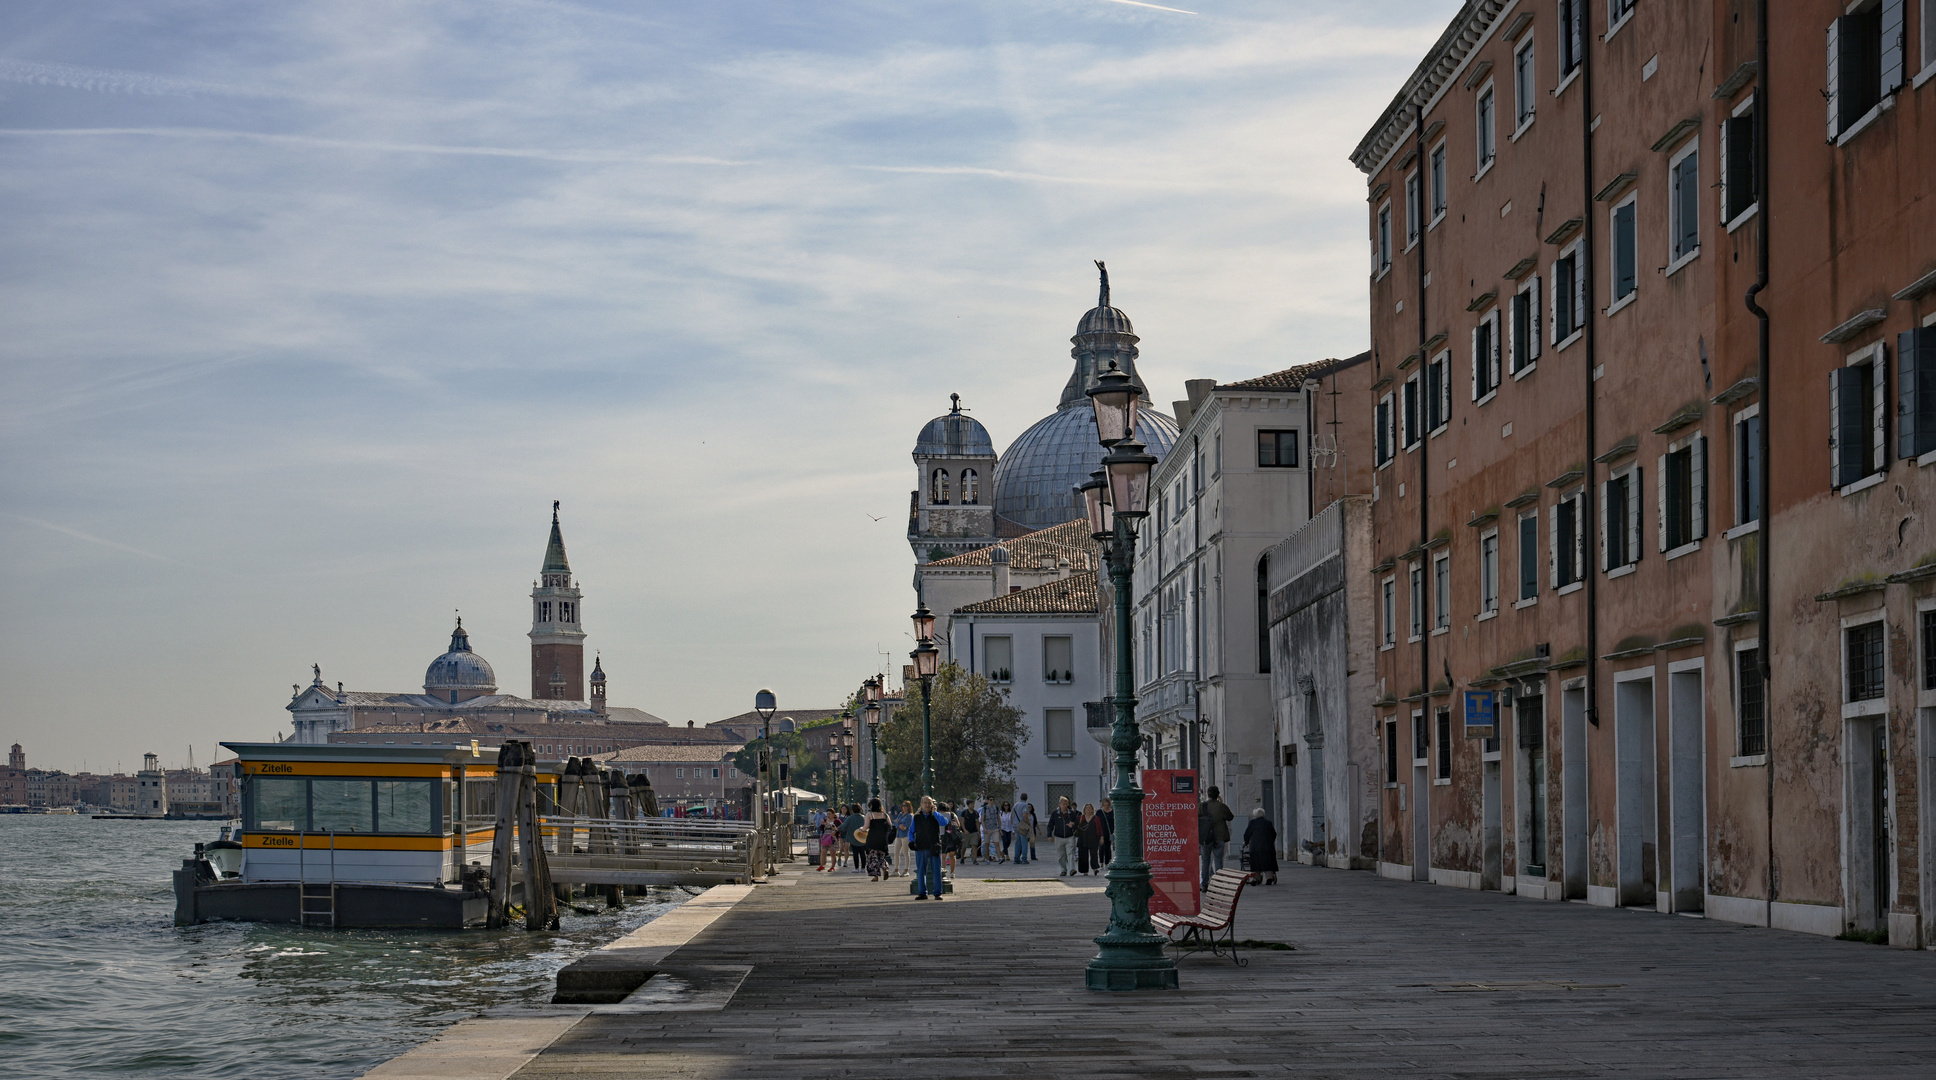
{"points": [[1567, 75], [1438, 185], [1491, 364], [1576, 252], [1876, 706], [1744, 522], [1415, 581], [1489, 573], [1617, 17], [1615, 303], [1833, 89], [1385, 440], [1442, 593], [1443, 361], [1697, 496], [1388, 597], [1631, 473], [1381, 241], [1745, 108], [1677, 260], [1577, 497], [1535, 334], [1526, 84], [1929, 44], [1410, 429], [1048, 719], [1414, 208], [1485, 128], [1519, 534], [1876, 357], [1738, 760]]}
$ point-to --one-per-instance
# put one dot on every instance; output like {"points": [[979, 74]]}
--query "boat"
{"points": [[351, 837]]}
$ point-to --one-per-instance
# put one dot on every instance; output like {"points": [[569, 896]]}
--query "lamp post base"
{"points": [[1131, 965]]}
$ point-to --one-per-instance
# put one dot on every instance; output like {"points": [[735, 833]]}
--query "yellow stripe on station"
{"points": [[356, 842], [344, 768]]}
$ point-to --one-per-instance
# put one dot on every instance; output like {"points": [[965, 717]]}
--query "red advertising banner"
{"points": [[1170, 839]]}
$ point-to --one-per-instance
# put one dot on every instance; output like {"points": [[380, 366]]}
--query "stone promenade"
{"points": [[837, 976]]}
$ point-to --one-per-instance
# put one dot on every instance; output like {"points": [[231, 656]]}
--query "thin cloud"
{"points": [[92, 539], [321, 142], [109, 81], [1158, 7]]}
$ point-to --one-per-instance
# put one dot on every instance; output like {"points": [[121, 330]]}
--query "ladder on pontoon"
{"points": [[318, 901]]}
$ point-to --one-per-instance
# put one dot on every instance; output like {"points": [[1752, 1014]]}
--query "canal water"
{"points": [[96, 980]]}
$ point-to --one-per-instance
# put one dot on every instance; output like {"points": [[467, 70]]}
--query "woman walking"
{"points": [[848, 829], [879, 831], [1108, 815], [903, 859], [1008, 829], [829, 848], [1089, 840], [1260, 842]]}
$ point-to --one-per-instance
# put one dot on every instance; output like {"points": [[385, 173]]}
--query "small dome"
{"points": [[954, 435], [460, 669], [1104, 320], [999, 555]]}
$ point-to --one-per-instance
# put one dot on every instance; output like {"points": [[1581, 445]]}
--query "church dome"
{"points": [[1104, 320], [954, 435], [1035, 480], [460, 670]]}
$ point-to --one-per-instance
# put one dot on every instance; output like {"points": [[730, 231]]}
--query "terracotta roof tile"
{"points": [[1068, 540], [1292, 378], [1073, 595]]}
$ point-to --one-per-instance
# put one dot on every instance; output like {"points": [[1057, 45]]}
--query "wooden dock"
{"points": [[836, 976]]}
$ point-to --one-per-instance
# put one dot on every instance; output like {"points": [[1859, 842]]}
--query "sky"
{"points": [[308, 311]]}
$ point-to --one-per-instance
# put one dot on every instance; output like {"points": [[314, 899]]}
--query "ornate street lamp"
{"points": [[765, 704], [833, 766], [927, 660], [874, 730], [1130, 953]]}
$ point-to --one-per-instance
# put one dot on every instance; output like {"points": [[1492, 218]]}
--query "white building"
{"points": [[1236, 482], [151, 787], [1043, 646]]}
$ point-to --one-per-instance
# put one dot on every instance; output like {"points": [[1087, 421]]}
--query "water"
{"points": [[95, 980]]}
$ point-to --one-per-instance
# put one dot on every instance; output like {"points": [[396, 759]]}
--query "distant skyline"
{"points": [[313, 309]]}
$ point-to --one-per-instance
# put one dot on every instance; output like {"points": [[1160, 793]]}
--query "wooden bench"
{"points": [[1214, 926]]}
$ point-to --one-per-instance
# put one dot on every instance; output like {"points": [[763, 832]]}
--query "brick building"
{"points": [[1568, 518]]}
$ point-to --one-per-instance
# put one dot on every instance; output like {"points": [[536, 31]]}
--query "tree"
{"points": [[975, 739]]}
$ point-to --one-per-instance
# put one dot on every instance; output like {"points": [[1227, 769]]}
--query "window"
{"points": [[1683, 493], [1263, 616], [998, 658], [1572, 23], [1569, 295], [938, 488], [1738, 190], [1421, 739], [1414, 210], [1525, 325], [342, 806], [1620, 519], [278, 804], [1865, 662], [1625, 252], [1529, 555], [1277, 449], [1216, 455], [1568, 539], [1864, 63], [1391, 751], [1747, 465], [1487, 143], [970, 487], [1388, 607], [1059, 732], [1684, 203], [1438, 182], [1485, 356], [1916, 392], [564, 611], [1438, 392], [1058, 659], [681, 773], [1751, 704], [1489, 572], [715, 774], [1523, 84], [1410, 412], [1618, 12], [1385, 437], [1929, 650], [1442, 591], [1383, 239], [1417, 573], [1442, 720], [1855, 394]]}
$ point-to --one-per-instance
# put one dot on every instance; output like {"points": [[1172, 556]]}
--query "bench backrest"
{"points": [[1220, 899]]}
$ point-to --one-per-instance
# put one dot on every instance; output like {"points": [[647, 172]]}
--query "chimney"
{"points": [[999, 559]]}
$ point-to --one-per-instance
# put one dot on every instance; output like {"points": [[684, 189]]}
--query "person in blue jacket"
{"points": [[924, 836]]}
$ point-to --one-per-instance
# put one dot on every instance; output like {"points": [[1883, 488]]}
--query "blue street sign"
{"points": [[1478, 709]]}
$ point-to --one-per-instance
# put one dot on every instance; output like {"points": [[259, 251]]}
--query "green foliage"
{"points": [[976, 738]]}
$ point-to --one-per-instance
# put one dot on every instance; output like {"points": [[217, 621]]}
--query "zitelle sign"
{"points": [[1170, 839], [1481, 717]]}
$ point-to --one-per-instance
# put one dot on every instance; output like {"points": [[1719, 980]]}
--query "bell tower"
{"points": [[557, 639]]}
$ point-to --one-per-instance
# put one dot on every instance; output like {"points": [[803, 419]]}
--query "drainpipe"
{"points": [[1196, 606], [1590, 504], [1765, 474], [1424, 486]]}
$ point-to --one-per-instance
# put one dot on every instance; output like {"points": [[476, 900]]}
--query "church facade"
{"points": [[460, 693]]}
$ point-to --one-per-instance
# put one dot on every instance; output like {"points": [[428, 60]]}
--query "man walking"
{"points": [[970, 832], [1213, 831], [1062, 829], [924, 836], [1024, 824]]}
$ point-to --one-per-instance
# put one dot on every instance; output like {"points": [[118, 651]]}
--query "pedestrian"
{"points": [[1260, 842], [970, 832], [1007, 820], [878, 835], [1107, 811], [1062, 829], [950, 839], [903, 859], [991, 830], [1089, 840], [829, 847], [924, 837], [1024, 813], [850, 825], [1213, 831]]}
